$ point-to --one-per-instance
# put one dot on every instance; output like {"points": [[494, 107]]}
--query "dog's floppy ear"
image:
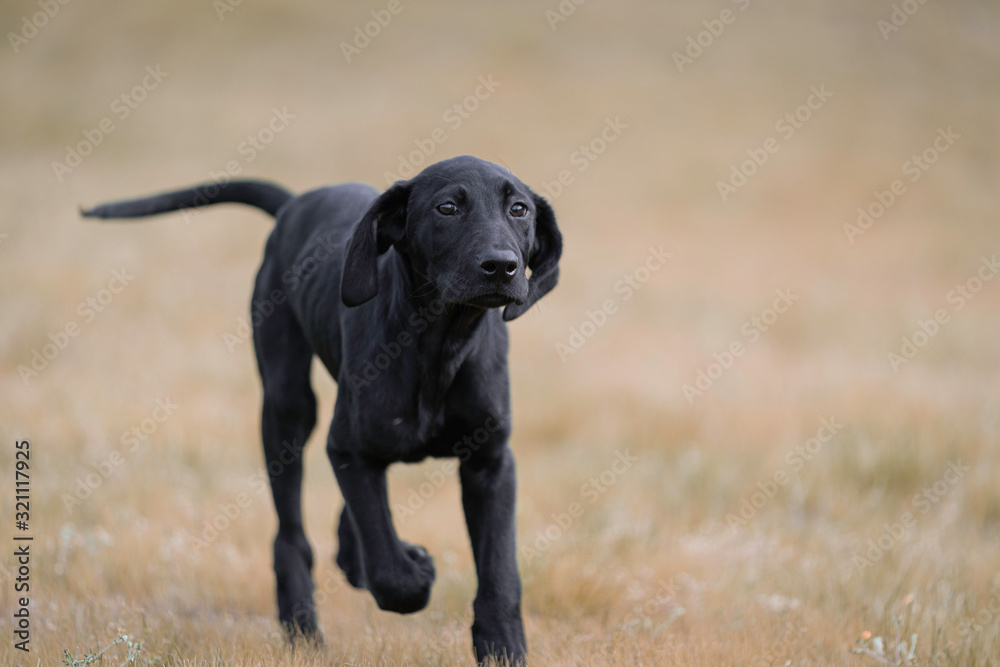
{"points": [[544, 261], [383, 224]]}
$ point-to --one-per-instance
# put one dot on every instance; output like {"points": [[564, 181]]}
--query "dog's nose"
{"points": [[499, 265]]}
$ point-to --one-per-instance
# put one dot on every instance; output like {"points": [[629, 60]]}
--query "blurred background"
{"points": [[777, 305]]}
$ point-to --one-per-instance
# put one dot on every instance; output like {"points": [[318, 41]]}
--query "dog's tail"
{"points": [[265, 196]]}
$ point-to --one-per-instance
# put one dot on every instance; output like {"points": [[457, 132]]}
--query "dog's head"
{"points": [[469, 228]]}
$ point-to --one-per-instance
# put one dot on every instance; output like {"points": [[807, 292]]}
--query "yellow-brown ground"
{"points": [[672, 560]]}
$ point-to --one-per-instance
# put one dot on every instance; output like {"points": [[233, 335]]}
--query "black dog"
{"points": [[398, 294]]}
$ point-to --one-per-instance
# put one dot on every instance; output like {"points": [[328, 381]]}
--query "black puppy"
{"points": [[398, 294]]}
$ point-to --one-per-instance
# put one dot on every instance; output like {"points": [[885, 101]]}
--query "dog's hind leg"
{"points": [[288, 416]]}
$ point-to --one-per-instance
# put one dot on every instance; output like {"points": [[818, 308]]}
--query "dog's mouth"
{"points": [[492, 300]]}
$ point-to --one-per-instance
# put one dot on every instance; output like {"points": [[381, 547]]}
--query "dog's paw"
{"points": [[500, 643], [292, 564], [407, 587], [422, 560]]}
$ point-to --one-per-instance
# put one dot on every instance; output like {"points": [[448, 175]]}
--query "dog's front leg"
{"points": [[489, 487], [399, 575]]}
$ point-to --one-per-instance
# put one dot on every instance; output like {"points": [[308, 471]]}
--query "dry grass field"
{"points": [[777, 442]]}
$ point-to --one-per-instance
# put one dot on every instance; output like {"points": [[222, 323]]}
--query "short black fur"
{"points": [[399, 295]]}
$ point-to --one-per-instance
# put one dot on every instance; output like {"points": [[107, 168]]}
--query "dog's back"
{"points": [[314, 220]]}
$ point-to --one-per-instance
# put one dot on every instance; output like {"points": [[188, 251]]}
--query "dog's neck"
{"points": [[452, 333]]}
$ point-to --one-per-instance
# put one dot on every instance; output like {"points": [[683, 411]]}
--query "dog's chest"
{"points": [[410, 426], [407, 398]]}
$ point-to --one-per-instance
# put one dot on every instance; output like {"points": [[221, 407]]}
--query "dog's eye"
{"points": [[447, 208], [518, 210]]}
